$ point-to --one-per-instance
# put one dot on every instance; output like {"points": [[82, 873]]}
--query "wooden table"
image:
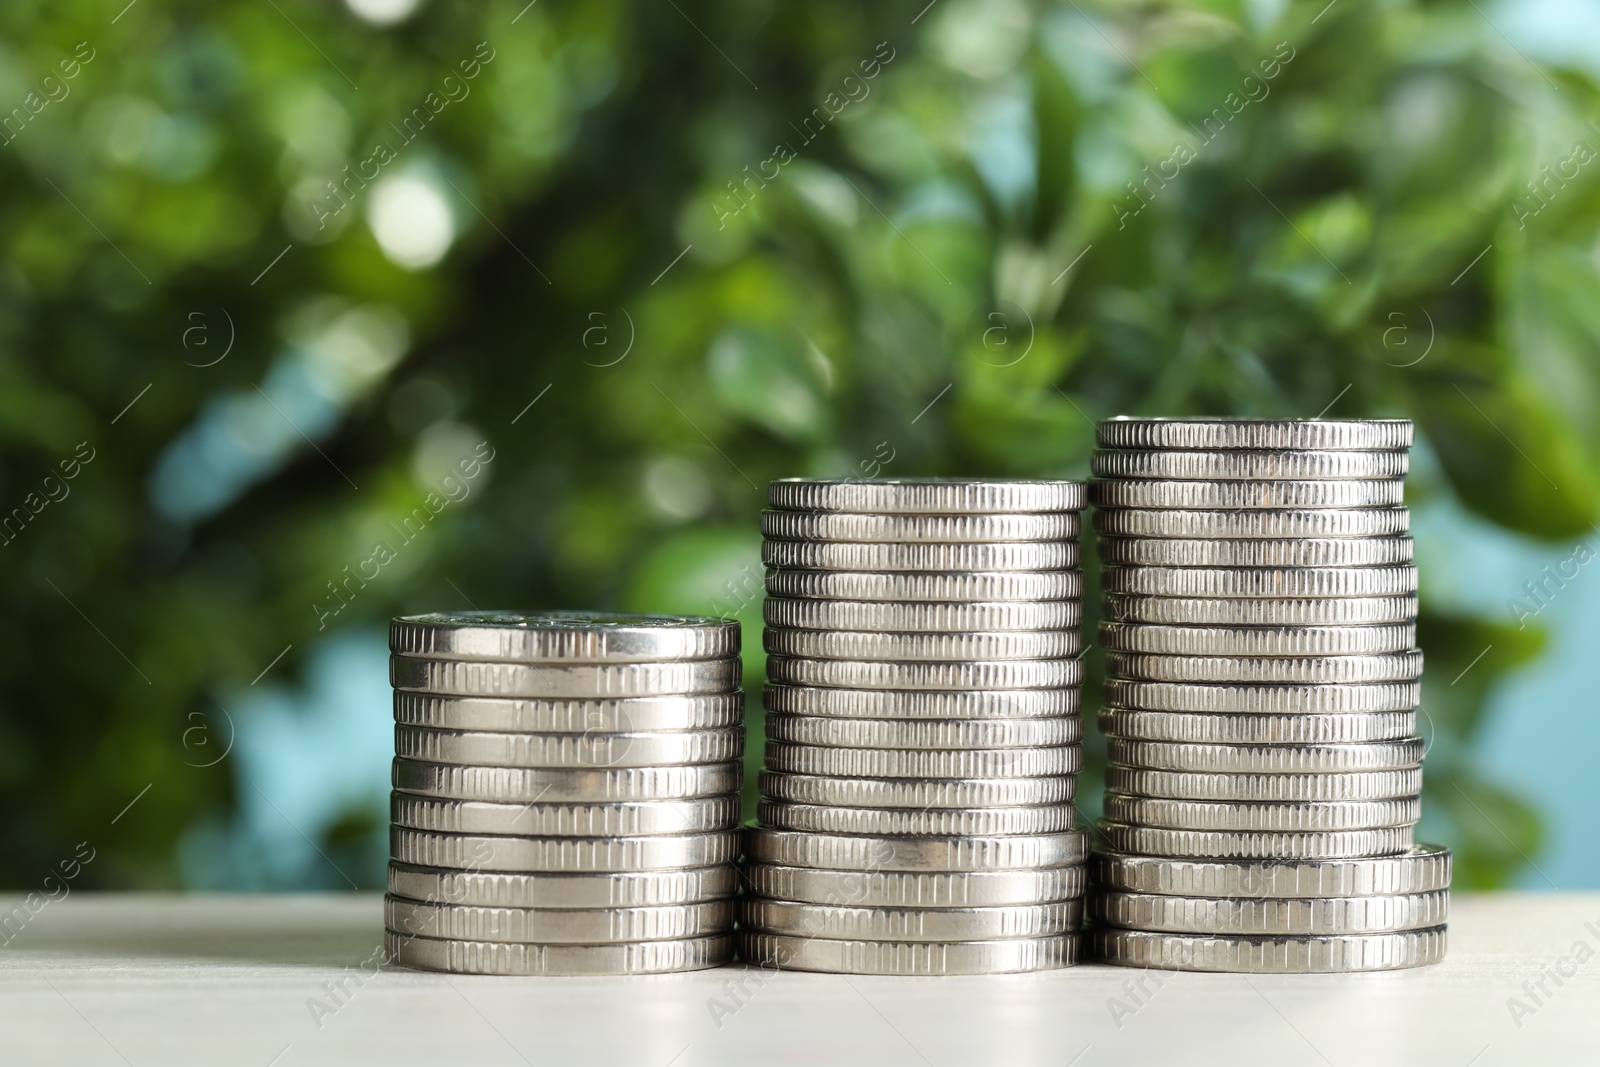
{"points": [[256, 980]]}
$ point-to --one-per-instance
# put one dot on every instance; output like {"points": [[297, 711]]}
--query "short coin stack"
{"points": [[923, 729], [566, 792], [1265, 769]]}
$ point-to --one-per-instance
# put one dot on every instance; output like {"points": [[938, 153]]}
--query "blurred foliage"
{"points": [[712, 245]]}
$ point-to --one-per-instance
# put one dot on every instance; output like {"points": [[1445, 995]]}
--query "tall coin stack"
{"points": [[923, 729], [1265, 769], [566, 792]]}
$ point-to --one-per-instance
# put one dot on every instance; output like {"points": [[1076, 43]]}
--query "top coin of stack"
{"points": [[566, 792], [1265, 772], [922, 729]]}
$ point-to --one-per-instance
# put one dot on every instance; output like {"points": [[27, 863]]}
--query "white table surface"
{"points": [[229, 979]]}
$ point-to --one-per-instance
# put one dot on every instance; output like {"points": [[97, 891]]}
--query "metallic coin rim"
{"points": [[922, 616], [904, 705], [1289, 816], [1058, 643], [1424, 868], [532, 716], [961, 557], [1255, 641], [789, 918], [922, 958], [451, 781], [987, 822], [644, 818], [942, 529], [917, 792], [1405, 666], [563, 889], [835, 731], [1255, 728], [951, 496], [547, 680], [1255, 845], [596, 750], [564, 636], [1220, 786], [482, 957], [1398, 754], [556, 926], [851, 852], [1250, 464], [903, 889], [564, 854], [1269, 916], [924, 763], [1057, 673], [925, 587], [1124, 431], [1269, 955]]}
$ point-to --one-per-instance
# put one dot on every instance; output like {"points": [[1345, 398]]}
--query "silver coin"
{"points": [[1253, 728], [1323, 954], [1207, 495], [948, 496], [563, 636], [1255, 524], [556, 926], [938, 529], [469, 679], [912, 705], [1261, 817], [482, 749], [1380, 667], [852, 852], [483, 853], [1424, 869], [907, 586], [1278, 641], [879, 674], [1276, 434], [637, 715], [1295, 916], [1232, 552], [1255, 611], [917, 556], [855, 644], [1277, 759], [640, 819], [918, 793], [619, 889], [834, 732], [857, 923], [1277, 582], [1196, 785], [924, 763], [1257, 729], [522, 785], [1249, 465], [1219, 845], [487, 957], [929, 889], [888, 615], [942, 822], [1300, 699], [923, 958]]}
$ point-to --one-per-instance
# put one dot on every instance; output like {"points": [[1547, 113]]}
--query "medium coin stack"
{"points": [[1265, 770], [566, 792], [923, 729]]}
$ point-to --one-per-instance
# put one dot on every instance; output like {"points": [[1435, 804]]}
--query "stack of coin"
{"points": [[566, 792], [1265, 770], [923, 729]]}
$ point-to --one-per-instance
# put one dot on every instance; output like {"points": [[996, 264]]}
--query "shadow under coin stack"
{"points": [[566, 792], [923, 729], [1265, 769]]}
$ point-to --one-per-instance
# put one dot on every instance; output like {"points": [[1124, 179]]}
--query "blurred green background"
{"points": [[271, 269]]}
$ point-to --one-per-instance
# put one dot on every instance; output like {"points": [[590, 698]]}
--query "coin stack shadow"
{"points": [[566, 792], [1265, 770], [923, 729]]}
